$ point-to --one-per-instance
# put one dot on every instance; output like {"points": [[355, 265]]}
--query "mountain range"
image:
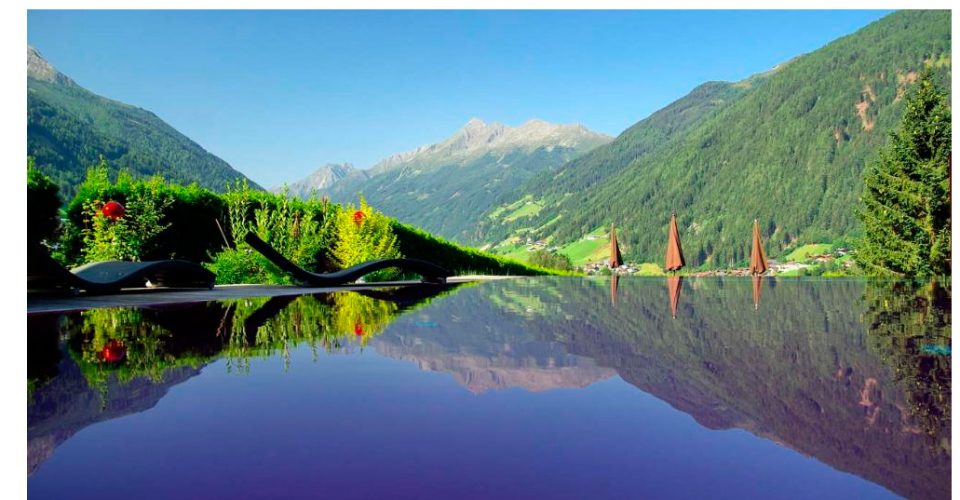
{"points": [[445, 187], [787, 147], [69, 128]]}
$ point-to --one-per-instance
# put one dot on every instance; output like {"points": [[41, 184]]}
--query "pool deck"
{"points": [[40, 303]]}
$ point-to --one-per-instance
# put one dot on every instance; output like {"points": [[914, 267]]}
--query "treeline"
{"points": [[163, 220]]}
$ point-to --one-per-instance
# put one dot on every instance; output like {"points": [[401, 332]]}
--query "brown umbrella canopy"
{"points": [[674, 258], [674, 284], [758, 259], [615, 258]]}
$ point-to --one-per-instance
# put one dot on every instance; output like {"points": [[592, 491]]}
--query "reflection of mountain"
{"points": [[502, 354], [798, 371], [67, 404], [831, 369], [533, 372]]}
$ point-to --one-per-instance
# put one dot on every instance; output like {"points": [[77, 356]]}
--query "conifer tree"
{"points": [[905, 205]]}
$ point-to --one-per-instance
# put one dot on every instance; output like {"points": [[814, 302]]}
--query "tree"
{"points": [[550, 260], [905, 205]]}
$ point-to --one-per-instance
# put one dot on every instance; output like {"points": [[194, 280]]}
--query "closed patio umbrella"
{"points": [[674, 284], [615, 258], [758, 259], [674, 258]]}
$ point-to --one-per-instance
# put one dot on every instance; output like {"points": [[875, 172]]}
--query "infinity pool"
{"points": [[523, 388]]}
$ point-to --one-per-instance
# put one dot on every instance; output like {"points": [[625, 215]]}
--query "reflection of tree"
{"points": [[123, 330], [43, 352], [264, 327], [909, 327], [145, 342]]}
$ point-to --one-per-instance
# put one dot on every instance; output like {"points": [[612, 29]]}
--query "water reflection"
{"points": [[832, 369], [855, 375], [674, 286], [757, 291], [112, 362], [909, 328]]}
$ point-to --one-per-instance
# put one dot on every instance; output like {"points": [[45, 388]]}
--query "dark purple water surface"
{"points": [[528, 388]]}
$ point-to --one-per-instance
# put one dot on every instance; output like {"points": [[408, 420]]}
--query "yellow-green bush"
{"points": [[364, 234]]}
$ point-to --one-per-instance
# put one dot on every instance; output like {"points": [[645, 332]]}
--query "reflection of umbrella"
{"points": [[614, 283], [757, 285], [674, 284], [615, 258], [674, 259], [758, 259]]}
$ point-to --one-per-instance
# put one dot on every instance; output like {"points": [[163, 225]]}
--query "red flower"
{"points": [[358, 329], [113, 210], [358, 217], [113, 352]]}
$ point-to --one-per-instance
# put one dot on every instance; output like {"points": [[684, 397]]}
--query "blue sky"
{"points": [[279, 93]]}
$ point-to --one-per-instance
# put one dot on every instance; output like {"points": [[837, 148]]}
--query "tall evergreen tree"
{"points": [[905, 206]]}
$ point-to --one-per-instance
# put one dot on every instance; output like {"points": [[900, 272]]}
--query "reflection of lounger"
{"points": [[44, 273], [430, 272]]}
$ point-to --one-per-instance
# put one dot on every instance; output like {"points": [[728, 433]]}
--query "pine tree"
{"points": [[905, 205]]}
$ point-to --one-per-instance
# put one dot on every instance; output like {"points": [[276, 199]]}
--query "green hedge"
{"points": [[43, 206], [419, 244], [192, 232]]}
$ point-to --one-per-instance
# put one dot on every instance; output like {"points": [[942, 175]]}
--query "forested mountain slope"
{"points": [[789, 149], [69, 128]]}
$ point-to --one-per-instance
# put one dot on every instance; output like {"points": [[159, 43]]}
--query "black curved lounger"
{"points": [[44, 273], [431, 273]]}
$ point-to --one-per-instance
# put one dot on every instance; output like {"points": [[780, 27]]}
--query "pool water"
{"points": [[521, 388]]}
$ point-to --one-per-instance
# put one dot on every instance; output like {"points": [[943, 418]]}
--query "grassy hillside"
{"points": [[69, 128], [789, 150]]}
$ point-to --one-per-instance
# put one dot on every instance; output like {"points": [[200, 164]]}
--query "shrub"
{"points": [[193, 211], [302, 230], [244, 265], [128, 237], [551, 260], [364, 234]]}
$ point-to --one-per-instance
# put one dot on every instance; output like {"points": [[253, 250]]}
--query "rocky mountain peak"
{"points": [[478, 137], [39, 69], [321, 178]]}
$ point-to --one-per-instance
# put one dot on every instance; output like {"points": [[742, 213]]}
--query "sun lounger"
{"points": [[44, 273], [429, 272]]}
